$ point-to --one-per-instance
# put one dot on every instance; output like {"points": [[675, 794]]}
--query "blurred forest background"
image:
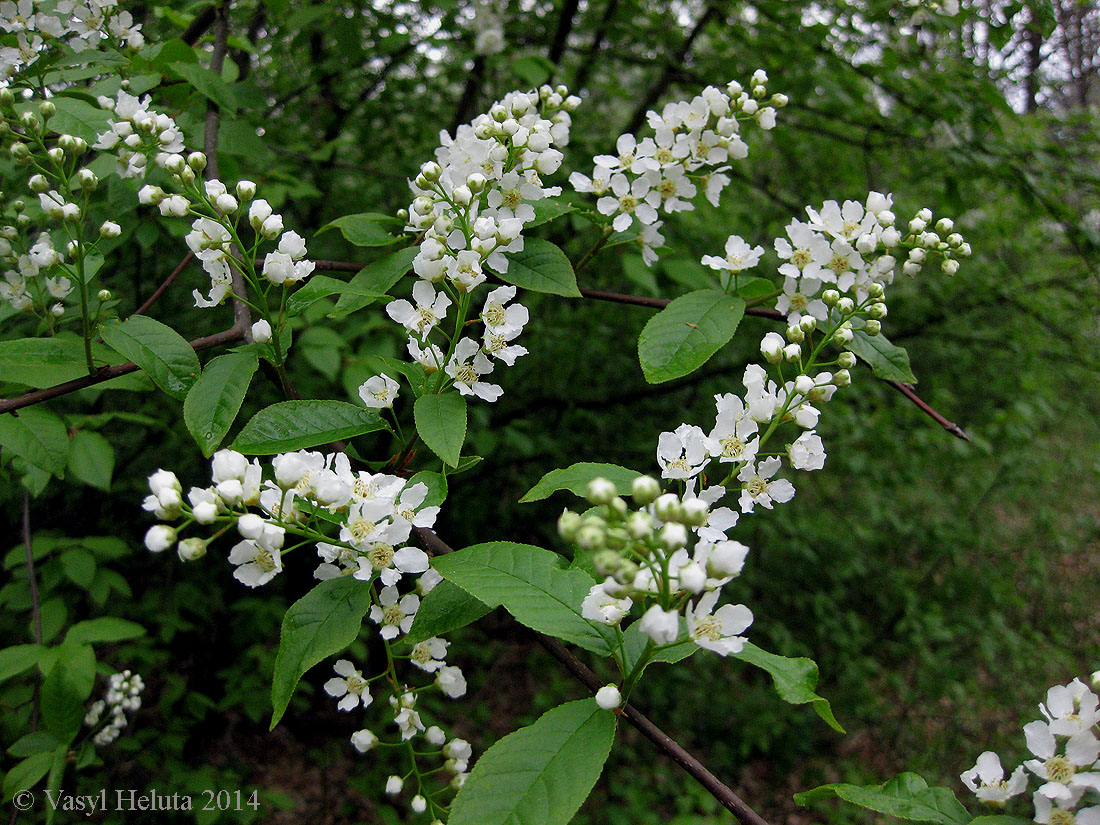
{"points": [[941, 585]]}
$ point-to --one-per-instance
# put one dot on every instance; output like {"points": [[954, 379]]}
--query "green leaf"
{"points": [[540, 774], [207, 84], [754, 288], [549, 209], [441, 424], [57, 773], [65, 689], [42, 362], [104, 629], [92, 459], [93, 262], [376, 278], [364, 229], [37, 436], [906, 796], [575, 478], [79, 566], [37, 742], [215, 399], [1000, 819], [79, 118], [17, 659], [541, 267], [685, 334], [26, 774], [299, 425], [323, 286], [887, 361], [323, 622], [158, 349], [446, 607], [532, 585], [795, 680]]}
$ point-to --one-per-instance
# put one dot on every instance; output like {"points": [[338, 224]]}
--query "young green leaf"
{"points": [[216, 398], [685, 334], [533, 585], [542, 267], [887, 361], [65, 689], [906, 796], [540, 774], [37, 436], [365, 229], [323, 622], [441, 423], [104, 629], [17, 659], [299, 425], [158, 349], [376, 278], [575, 478], [795, 680]]}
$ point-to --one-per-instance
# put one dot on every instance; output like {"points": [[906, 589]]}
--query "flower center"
{"points": [[667, 188], [798, 301], [421, 654], [361, 528], [757, 487], [264, 560], [393, 615], [839, 264], [427, 319], [495, 315], [355, 684], [801, 258], [1060, 817], [849, 228], [512, 198], [465, 373], [664, 156], [380, 556], [628, 203], [708, 628], [680, 464], [1059, 769], [732, 447]]}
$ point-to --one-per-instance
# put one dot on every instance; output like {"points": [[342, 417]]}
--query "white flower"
{"points": [[428, 655], [379, 391], [807, 452], [987, 780], [1063, 782], [718, 630], [1047, 812], [430, 309], [732, 436], [391, 563], [739, 256], [1070, 708], [500, 318], [660, 625], [350, 685], [363, 740], [684, 452], [451, 681], [757, 489], [258, 562], [600, 606], [393, 613], [466, 367]]}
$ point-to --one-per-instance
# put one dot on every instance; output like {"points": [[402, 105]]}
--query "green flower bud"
{"points": [[47, 109], [644, 490], [606, 562], [600, 491], [589, 537]]}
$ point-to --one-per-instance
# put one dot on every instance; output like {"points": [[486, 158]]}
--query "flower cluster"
{"points": [[692, 145], [471, 205], [80, 25], [1066, 750], [123, 696], [643, 555], [360, 524], [136, 133]]}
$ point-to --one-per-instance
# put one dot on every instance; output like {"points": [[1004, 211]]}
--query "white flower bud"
{"points": [[662, 626], [250, 526], [1096, 680], [667, 507], [866, 244], [964, 250], [225, 203], [878, 311], [673, 536], [462, 195], [771, 347], [842, 378], [196, 161], [794, 334], [57, 310], [38, 184], [205, 512], [87, 180], [476, 182], [910, 268], [246, 190], [950, 266], [695, 512], [110, 229], [261, 331], [608, 697], [271, 227], [693, 577], [944, 225], [639, 525], [844, 335], [160, 537], [600, 491], [363, 740], [846, 360], [846, 305], [830, 297], [645, 489], [191, 549], [230, 491], [803, 384], [394, 785], [808, 323], [872, 327], [418, 804], [792, 352], [589, 537]]}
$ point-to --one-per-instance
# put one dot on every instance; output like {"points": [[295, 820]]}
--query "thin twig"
{"points": [[182, 265], [435, 546], [198, 26], [32, 579], [106, 373]]}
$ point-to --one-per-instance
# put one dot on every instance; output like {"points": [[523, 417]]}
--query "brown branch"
{"points": [[565, 26], [597, 43], [198, 26], [10, 405], [435, 546], [182, 265], [761, 312]]}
